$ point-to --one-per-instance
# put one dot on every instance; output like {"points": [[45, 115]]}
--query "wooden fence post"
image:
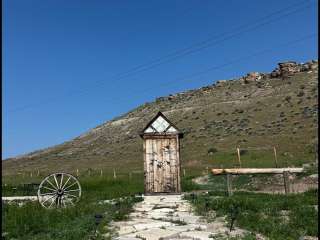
{"points": [[286, 182], [77, 172], [239, 159], [101, 173], [38, 173], [316, 152], [275, 156], [114, 174], [184, 172], [31, 174], [229, 184]]}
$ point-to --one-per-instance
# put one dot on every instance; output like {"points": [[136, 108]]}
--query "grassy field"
{"points": [[276, 216], [31, 221]]}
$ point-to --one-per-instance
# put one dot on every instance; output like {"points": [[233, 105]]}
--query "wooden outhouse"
{"points": [[161, 156]]}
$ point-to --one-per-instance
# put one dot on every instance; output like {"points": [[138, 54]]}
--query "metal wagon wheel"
{"points": [[59, 190]]}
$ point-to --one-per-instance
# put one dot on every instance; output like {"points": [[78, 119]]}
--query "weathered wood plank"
{"points": [[217, 171], [167, 162], [178, 164], [286, 182]]}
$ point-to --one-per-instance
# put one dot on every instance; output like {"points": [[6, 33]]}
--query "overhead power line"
{"points": [[182, 52], [217, 67], [265, 51], [188, 77], [220, 37]]}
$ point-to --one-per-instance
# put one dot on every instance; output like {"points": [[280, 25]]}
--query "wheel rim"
{"points": [[59, 190]]}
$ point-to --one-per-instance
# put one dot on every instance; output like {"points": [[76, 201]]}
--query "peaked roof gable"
{"points": [[160, 124]]}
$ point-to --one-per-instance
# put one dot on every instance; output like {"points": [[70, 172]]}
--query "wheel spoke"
{"points": [[70, 185], [45, 194], [63, 202], [66, 182], [51, 203], [61, 180], [47, 199], [72, 190], [51, 184], [71, 195], [59, 201], [55, 179], [49, 188]]}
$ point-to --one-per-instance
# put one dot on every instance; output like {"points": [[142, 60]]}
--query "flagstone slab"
{"points": [[123, 230], [154, 234], [197, 235], [127, 238], [145, 226], [188, 227], [187, 217], [163, 210]]}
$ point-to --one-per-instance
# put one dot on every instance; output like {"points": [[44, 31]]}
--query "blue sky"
{"points": [[71, 65]]}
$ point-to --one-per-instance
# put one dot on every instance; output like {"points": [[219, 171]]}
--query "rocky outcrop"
{"points": [[284, 70], [252, 77], [287, 69]]}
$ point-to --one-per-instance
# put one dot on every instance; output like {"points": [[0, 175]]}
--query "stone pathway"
{"points": [[169, 217]]}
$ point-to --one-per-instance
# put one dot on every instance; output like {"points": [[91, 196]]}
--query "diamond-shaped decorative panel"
{"points": [[160, 124]]}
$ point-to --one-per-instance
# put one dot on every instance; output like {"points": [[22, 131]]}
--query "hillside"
{"points": [[255, 112]]}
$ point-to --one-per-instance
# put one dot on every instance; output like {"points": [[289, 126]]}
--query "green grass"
{"points": [[31, 221], [275, 216], [187, 185], [261, 158]]}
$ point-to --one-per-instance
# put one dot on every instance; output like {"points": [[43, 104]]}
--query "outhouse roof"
{"points": [[160, 124]]}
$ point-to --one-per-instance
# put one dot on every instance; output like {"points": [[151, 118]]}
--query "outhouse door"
{"points": [[161, 156], [162, 165]]}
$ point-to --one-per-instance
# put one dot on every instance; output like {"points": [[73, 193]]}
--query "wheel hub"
{"points": [[60, 192]]}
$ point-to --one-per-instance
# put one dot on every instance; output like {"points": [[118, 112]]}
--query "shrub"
{"points": [[287, 98], [300, 94], [212, 150], [243, 151]]}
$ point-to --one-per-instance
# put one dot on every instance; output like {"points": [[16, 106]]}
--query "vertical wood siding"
{"points": [[162, 165]]}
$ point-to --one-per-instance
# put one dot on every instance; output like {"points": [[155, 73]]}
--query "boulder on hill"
{"points": [[286, 69], [289, 68], [221, 83], [252, 77]]}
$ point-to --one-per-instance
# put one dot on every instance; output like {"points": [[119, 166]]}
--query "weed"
{"points": [[262, 213]]}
